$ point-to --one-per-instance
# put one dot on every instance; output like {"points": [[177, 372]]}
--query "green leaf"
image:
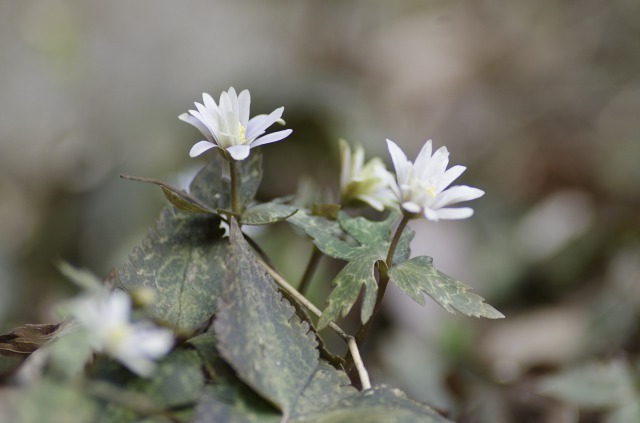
{"points": [[358, 273], [184, 201], [213, 189], [68, 354], [176, 382], [258, 332], [182, 261], [267, 213], [47, 401], [326, 387], [233, 404], [378, 405], [176, 196], [592, 386], [373, 246], [418, 275]]}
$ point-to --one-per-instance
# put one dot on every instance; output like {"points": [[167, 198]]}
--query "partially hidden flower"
{"points": [[227, 125], [370, 183], [106, 317], [423, 186]]}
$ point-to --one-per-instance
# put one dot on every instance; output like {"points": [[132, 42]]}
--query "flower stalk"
{"points": [[235, 187], [314, 260], [383, 280]]}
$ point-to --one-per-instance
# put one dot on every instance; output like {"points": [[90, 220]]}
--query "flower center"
{"points": [[242, 135], [116, 335], [431, 191]]}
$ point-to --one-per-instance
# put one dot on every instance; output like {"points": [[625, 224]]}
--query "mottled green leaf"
{"points": [[177, 381], [69, 353], [183, 261], [418, 275], [355, 275], [176, 196], [326, 387], [373, 240], [184, 201], [258, 332], [592, 386], [324, 232], [216, 368], [267, 213], [212, 188], [233, 404], [51, 402], [378, 405]]}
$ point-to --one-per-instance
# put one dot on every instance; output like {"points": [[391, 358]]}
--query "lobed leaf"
{"points": [[259, 334], [267, 213], [418, 275], [358, 274], [355, 276], [183, 261]]}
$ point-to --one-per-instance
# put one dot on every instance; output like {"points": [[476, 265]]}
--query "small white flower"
{"points": [[422, 186], [106, 316], [370, 183], [227, 125]]}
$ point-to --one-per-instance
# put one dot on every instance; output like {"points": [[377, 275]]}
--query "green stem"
{"points": [[383, 276], [235, 189], [314, 260]]}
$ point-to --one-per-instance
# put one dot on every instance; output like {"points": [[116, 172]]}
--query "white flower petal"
{"points": [[207, 117], [455, 213], [210, 103], [225, 100], [457, 194], [449, 176], [201, 147], [431, 214], [244, 103], [118, 306], [400, 163], [198, 124], [258, 124], [411, 207], [239, 152], [435, 167], [272, 137], [372, 201], [424, 156]]}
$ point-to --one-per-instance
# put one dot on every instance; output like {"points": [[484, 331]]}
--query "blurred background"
{"points": [[540, 100]]}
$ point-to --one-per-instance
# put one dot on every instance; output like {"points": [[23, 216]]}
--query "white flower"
{"points": [[370, 183], [422, 186], [106, 318], [228, 127]]}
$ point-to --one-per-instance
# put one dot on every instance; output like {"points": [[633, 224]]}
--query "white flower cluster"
{"points": [[420, 188], [106, 317]]}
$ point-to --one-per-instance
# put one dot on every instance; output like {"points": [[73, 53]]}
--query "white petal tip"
{"points": [[200, 148]]}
